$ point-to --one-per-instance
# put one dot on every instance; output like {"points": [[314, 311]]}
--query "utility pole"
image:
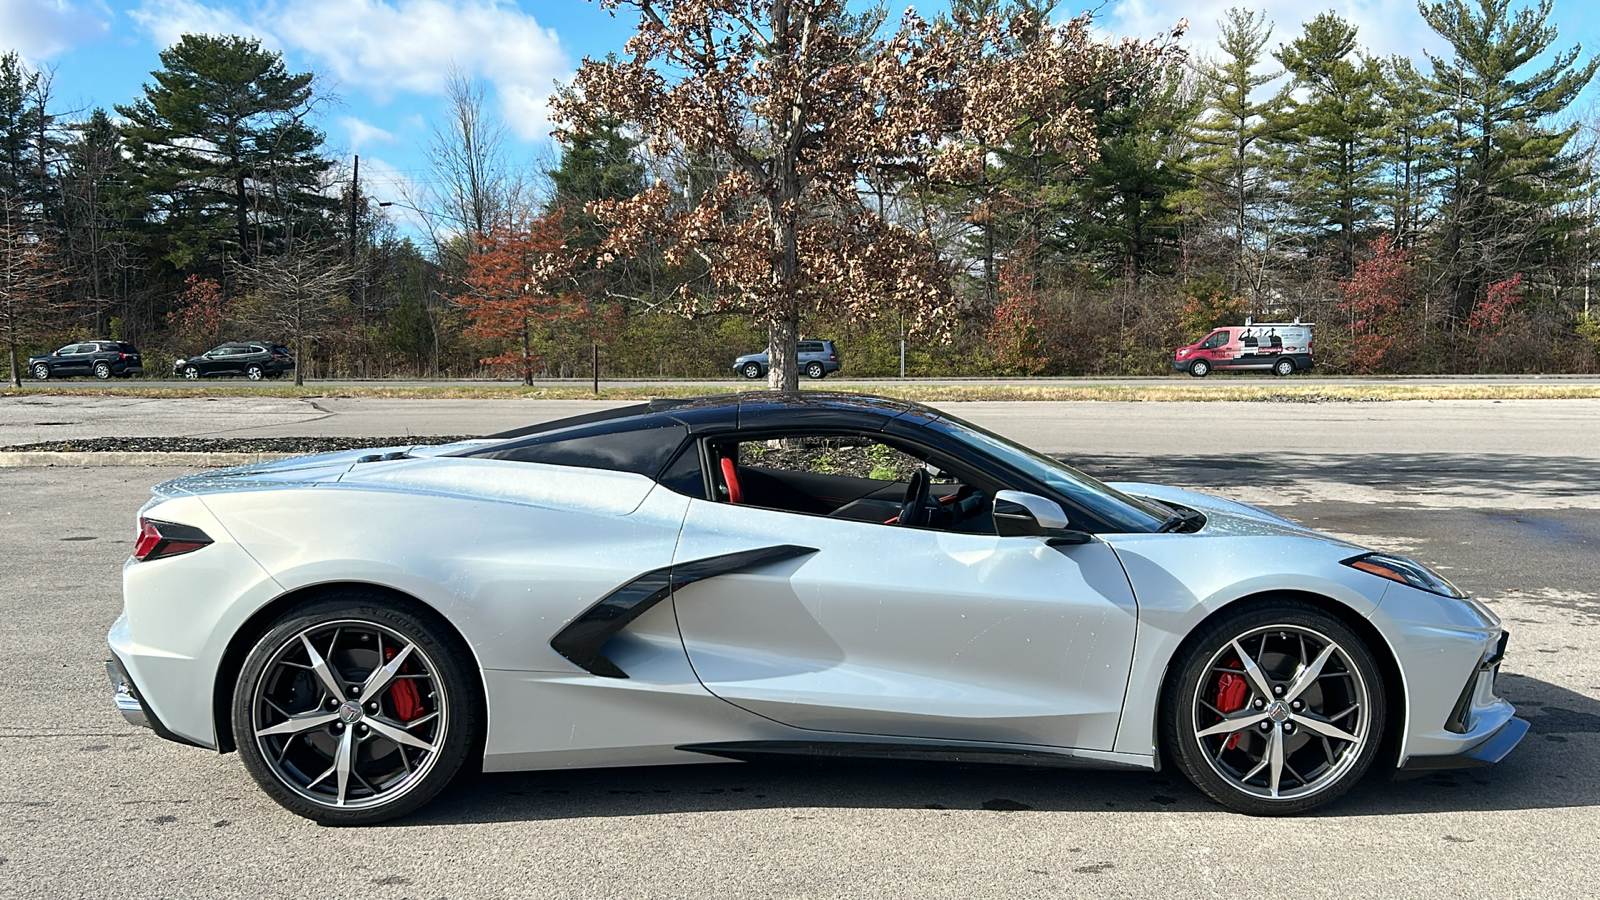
{"points": [[355, 191]]}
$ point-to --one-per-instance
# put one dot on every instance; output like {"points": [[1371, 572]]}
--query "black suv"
{"points": [[102, 359], [254, 360]]}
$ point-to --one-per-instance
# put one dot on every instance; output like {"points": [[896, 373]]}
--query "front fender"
{"points": [[1179, 580]]}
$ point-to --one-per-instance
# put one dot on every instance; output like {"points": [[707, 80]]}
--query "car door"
{"points": [[886, 630], [217, 361], [72, 359]]}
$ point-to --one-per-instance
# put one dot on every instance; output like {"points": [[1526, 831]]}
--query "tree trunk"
{"points": [[527, 360], [783, 338], [299, 358], [11, 347]]}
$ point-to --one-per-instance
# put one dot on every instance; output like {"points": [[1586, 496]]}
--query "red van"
{"points": [[1283, 348]]}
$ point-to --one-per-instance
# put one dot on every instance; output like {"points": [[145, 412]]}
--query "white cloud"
{"points": [[39, 29], [364, 134], [389, 46], [1384, 27], [168, 20]]}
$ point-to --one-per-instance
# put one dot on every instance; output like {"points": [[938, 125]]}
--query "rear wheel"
{"points": [[1283, 367], [349, 712], [253, 373], [1275, 709], [814, 370], [1200, 368], [41, 371], [102, 370]]}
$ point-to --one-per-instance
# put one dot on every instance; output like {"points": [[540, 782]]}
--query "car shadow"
{"points": [[1553, 768], [1552, 476]]}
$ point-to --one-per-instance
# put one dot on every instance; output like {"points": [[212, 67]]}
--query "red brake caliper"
{"points": [[1231, 691], [407, 702]]}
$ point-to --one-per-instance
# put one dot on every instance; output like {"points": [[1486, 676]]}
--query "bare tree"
{"points": [[297, 294], [29, 277], [475, 187]]}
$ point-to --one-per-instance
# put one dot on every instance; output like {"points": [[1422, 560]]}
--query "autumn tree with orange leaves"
{"points": [[793, 105], [516, 282]]}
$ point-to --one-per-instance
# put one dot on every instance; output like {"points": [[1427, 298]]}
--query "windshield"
{"points": [[1122, 512]]}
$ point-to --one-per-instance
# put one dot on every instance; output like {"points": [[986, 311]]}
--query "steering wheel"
{"points": [[914, 511]]}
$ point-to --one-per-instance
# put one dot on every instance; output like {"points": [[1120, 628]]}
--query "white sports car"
{"points": [[773, 574]]}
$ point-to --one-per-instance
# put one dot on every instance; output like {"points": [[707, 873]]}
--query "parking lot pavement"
{"points": [[93, 807]]}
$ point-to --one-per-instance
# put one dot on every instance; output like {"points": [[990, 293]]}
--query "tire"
{"points": [[253, 373], [1200, 368], [814, 371], [751, 370], [1283, 368], [191, 373], [312, 740], [1212, 727], [41, 371], [102, 371]]}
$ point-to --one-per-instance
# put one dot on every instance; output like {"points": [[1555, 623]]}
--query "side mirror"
{"points": [[1017, 514]]}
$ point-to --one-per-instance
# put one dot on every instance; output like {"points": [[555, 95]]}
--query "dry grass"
{"points": [[1156, 391]]}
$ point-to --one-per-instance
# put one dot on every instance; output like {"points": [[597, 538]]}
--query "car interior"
{"points": [[848, 477]]}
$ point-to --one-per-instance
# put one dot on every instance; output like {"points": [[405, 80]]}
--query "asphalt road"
{"points": [[1503, 497]]}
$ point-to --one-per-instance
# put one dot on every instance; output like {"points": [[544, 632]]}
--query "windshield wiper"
{"points": [[1180, 517]]}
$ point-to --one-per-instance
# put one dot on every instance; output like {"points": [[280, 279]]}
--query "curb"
{"points": [[30, 459]]}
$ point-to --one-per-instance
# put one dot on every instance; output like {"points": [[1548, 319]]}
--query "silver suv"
{"points": [[818, 359]]}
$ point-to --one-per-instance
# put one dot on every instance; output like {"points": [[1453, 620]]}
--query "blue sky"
{"points": [[385, 61]]}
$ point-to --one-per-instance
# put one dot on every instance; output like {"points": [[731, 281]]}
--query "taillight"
{"points": [[159, 540]]}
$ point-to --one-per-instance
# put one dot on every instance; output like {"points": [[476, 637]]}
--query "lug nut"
{"points": [[338, 727], [1297, 706], [1278, 690], [1260, 703], [373, 706], [361, 730], [1288, 728], [1266, 726], [355, 690]]}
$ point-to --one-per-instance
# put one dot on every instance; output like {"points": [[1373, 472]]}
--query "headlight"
{"points": [[1407, 572]]}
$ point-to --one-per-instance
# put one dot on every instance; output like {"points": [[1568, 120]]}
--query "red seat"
{"points": [[730, 477]]}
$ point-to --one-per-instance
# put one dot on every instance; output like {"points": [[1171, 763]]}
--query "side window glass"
{"points": [[850, 477], [684, 475]]}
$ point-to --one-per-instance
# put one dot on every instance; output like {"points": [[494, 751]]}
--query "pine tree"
{"points": [[1409, 138], [220, 142], [1330, 165], [1510, 166], [1234, 136]]}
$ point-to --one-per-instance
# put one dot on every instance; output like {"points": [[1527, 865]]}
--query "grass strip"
{"points": [[921, 391]]}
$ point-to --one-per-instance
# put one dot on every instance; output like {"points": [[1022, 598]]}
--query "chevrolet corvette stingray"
{"points": [[768, 575]]}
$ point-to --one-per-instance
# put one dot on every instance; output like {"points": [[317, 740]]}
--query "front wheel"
{"points": [[41, 371], [191, 373], [1276, 708], [752, 371], [102, 371], [814, 371], [352, 712], [1200, 368], [1283, 368]]}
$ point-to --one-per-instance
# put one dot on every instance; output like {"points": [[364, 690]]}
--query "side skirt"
{"points": [[751, 751]]}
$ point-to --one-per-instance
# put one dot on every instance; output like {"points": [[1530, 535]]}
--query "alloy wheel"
{"points": [[41, 371], [1283, 712], [191, 373], [102, 371], [350, 714]]}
